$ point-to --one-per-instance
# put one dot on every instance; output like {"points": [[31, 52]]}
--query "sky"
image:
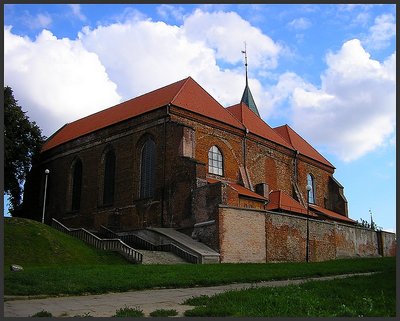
{"points": [[328, 71]]}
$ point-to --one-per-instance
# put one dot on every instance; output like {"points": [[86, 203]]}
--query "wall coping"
{"points": [[299, 217]]}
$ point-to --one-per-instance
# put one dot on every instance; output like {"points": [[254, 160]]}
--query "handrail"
{"points": [[114, 244], [137, 241]]}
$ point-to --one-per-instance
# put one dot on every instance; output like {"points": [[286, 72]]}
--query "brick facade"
{"points": [[185, 194]]}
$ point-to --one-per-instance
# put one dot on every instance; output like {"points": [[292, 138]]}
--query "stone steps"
{"points": [[160, 257]]}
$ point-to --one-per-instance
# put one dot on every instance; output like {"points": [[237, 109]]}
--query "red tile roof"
{"points": [[300, 144], [185, 93], [240, 189], [256, 125], [279, 200], [332, 215]]}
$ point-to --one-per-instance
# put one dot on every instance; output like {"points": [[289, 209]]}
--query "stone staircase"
{"points": [[163, 245], [161, 257]]}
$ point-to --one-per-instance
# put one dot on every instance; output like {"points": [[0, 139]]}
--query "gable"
{"points": [[300, 144]]}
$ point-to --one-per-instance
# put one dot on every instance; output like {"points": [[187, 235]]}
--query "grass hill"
{"points": [[30, 243]]}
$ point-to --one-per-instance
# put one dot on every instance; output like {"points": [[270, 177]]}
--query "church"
{"points": [[176, 158]]}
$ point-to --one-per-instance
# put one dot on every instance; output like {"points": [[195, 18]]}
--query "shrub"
{"points": [[129, 312], [164, 313], [42, 313]]}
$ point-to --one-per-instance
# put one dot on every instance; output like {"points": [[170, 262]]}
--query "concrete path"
{"points": [[105, 305]]}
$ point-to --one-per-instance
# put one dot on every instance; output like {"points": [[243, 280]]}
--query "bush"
{"points": [[164, 313], [42, 313], [129, 312]]}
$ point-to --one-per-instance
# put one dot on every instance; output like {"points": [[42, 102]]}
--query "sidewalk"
{"points": [[105, 305]]}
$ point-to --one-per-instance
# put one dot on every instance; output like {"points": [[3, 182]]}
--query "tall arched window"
{"points": [[311, 193], [76, 172], [147, 169], [109, 178], [215, 161]]}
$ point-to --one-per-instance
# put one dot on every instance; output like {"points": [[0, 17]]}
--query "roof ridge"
{"points": [[181, 88], [309, 145]]}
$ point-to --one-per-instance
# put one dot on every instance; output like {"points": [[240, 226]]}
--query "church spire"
{"points": [[247, 97]]}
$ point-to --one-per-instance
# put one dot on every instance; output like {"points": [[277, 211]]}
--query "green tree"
{"points": [[22, 142]]}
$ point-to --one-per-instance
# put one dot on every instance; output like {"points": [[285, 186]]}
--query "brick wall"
{"points": [[242, 236], [263, 236]]}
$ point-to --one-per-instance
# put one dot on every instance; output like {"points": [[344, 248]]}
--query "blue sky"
{"points": [[326, 70]]}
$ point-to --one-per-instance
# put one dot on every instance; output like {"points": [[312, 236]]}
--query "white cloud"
{"points": [[300, 24], [153, 54], [225, 32], [57, 80], [383, 30], [76, 10], [354, 111]]}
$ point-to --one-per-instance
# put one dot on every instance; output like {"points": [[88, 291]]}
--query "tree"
{"points": [[22, 142]]}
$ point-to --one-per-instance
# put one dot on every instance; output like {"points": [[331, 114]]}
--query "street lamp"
{"points": [[308, 188], [45, 191]]}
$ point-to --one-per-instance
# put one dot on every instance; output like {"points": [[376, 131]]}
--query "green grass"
{"points": [[164, 313], [84, 279], [129, 312], [29, 243], [370, 296], [56, 264]]}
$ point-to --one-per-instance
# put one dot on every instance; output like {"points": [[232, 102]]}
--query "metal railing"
{"points": [[111, 244], [137, 241]]}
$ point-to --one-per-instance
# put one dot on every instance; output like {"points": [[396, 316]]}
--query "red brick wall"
{"points": [[285, 238]]}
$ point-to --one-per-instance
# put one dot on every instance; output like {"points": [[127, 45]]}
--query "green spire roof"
{"points": [[248, 99]]}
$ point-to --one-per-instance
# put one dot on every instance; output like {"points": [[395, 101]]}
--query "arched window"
{"points": [[147, 169], [109, 178], [311, 193], [215, 161], [76, 172]]}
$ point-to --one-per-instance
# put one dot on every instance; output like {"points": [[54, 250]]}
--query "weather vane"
{"points": [[245, 60]]}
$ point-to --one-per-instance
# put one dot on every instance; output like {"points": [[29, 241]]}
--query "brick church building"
{"points": [[172, 158]]}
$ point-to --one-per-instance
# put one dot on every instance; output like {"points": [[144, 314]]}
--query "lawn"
{"points": [[57, 264], [357, 296]]}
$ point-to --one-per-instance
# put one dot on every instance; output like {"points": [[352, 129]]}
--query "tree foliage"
{"points": [[22, 142]]}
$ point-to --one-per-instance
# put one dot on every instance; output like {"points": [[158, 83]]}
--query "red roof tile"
{"points": [[333, 215], [282, 201], [240, 189], [185, 93], [256, 125], [300, 144]]}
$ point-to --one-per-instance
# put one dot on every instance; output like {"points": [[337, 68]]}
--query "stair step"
{"points": [[160, 257]]}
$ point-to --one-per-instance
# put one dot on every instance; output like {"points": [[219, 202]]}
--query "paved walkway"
{"points": [[105, 305]]}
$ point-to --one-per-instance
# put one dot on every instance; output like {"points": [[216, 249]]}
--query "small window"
{"points": [[147, 169], [215, 161], [311, 193]]}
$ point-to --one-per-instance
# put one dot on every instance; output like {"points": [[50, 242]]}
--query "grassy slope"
{"points": [[30, 243]]}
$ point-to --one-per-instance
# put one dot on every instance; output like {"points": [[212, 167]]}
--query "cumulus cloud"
{"points": [[147, 54], [216, 29], [354, 111], [383, 30], [57, 80], [64, 79]]}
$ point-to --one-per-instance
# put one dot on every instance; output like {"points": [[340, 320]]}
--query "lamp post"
{"points": [[45, 192], [308, 188]]}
